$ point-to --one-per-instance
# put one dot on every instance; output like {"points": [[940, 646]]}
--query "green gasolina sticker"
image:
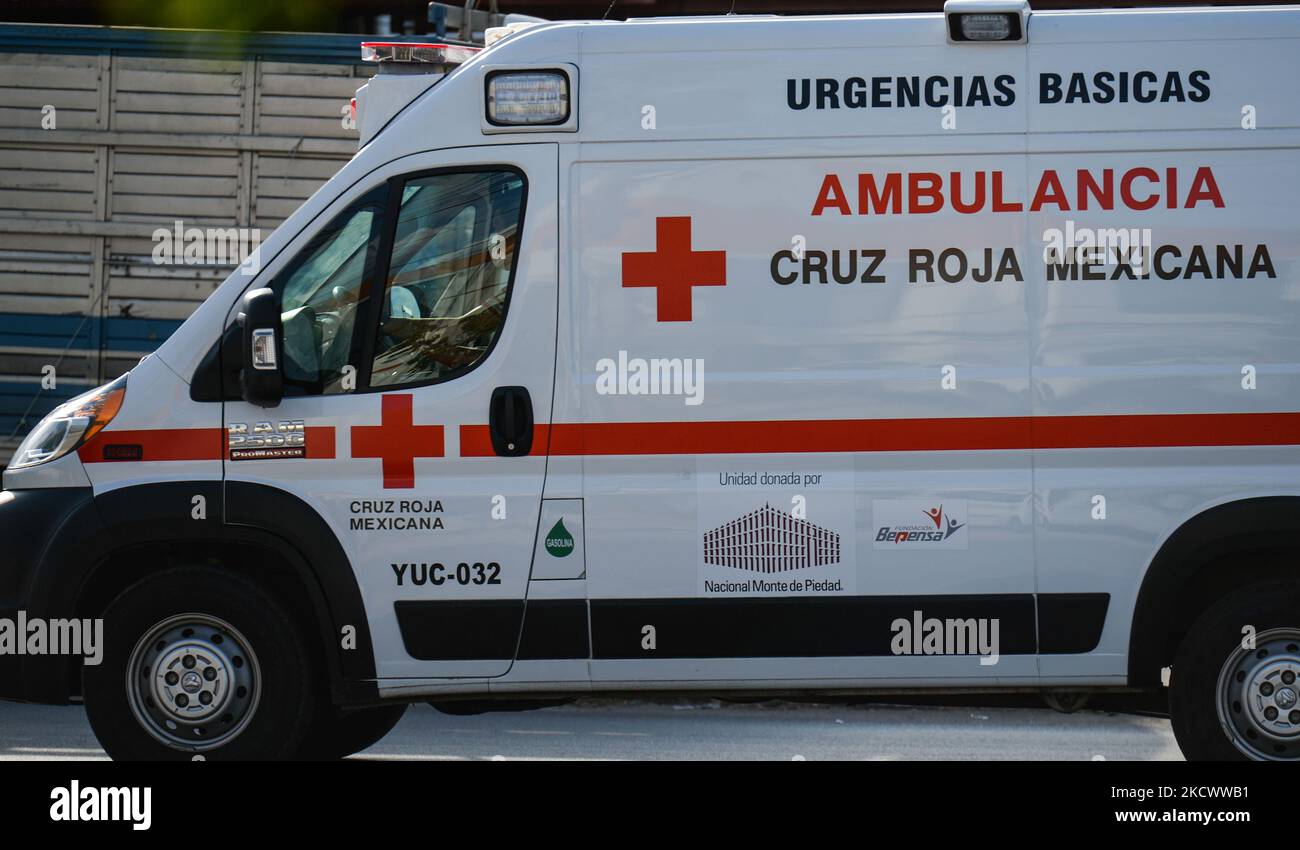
{"points": [[559, 542]]}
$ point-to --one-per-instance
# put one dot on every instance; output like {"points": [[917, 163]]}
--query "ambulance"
{"points": [[738, 356]]}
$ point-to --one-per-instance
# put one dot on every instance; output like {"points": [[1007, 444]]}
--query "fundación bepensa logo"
{"points": [[944, 526]]}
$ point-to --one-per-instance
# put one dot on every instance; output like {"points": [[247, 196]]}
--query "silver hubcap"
{"points": [[1258, 693], [193, 682]]}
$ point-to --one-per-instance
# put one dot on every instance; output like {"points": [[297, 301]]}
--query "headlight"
{"points": [[70, 425]]}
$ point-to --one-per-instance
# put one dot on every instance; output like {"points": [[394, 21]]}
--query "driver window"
{"points": [[321, 292], [445, 295]]}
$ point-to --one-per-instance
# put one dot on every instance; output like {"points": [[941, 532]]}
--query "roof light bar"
{"points": [[414, 53]]}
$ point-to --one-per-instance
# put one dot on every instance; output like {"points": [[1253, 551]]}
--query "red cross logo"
{"points": [[397, 442], [673, 268]]}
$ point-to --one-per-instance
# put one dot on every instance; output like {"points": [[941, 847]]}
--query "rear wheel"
{"points": [[1235, 691], [199, 662]]}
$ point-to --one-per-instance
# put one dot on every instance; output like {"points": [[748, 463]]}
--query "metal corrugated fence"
{"points": [[151, 127]]}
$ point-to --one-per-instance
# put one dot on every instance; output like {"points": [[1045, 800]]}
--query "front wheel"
{"points": [[1234, 693], [199, 662]]}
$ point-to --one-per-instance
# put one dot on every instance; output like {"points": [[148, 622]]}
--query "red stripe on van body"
{"points": [[904, 435], [178, 444], [476, 440], [321, 442], [1164, 430], [159, 444], [794, 437], [1167, 430]]}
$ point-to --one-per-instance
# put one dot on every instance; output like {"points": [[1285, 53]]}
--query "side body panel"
{"points": [[732, 524], [1191, 337]]}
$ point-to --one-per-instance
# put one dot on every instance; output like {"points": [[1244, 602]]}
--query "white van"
{"points": [[737, 356]]}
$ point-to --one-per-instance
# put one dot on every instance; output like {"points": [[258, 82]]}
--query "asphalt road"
{"points": [[696, 730]]}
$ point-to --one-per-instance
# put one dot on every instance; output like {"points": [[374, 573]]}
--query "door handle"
{"points": [[510, 421]]}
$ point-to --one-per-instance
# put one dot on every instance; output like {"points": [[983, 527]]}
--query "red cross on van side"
{"points": [[673, 269], [397, 441]]}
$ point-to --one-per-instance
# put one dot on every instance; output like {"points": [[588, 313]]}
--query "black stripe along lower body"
{"points": [[748, 627]]}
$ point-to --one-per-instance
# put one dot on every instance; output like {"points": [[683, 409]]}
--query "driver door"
{"points": [[425, 302]]}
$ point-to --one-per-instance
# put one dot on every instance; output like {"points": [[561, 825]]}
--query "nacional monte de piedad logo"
{"points": [[771, 541]]}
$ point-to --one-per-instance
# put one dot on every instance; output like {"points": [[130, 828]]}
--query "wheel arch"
{"points": [[262, 532], [1195, 566]]}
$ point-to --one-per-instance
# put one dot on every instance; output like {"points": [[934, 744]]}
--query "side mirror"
{"points": [[261, 378]]}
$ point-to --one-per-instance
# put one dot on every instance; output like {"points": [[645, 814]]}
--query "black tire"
{"points": [[241, 636], [336, 734], [1217, 698]]}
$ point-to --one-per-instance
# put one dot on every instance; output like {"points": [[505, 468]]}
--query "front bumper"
{"points": [[39, 530]]}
